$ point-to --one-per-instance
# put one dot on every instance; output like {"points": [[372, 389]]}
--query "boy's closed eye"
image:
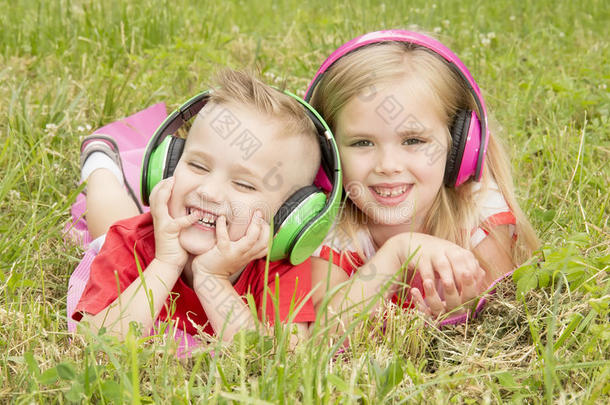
{"points": [[244, 185], [198, 167]]}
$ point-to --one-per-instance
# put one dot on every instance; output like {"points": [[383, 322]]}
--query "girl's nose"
{"points": [[388, 161]]}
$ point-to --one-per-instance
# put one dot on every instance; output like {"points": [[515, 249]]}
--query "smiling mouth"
{"points": [[205, 218], [390, 191]]}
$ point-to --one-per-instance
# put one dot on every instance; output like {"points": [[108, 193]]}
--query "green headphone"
{"points": [[301, 223]]}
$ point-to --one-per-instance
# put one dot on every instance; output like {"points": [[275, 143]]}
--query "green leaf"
{"points": [[49, 376], [66, 371], [393, 375], [338, 382], [111, 391], [33, 367], [506, 380], [76, 393], [527, 280]]}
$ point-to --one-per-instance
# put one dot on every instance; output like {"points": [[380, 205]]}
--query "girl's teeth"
{"points": [[393, 192]]}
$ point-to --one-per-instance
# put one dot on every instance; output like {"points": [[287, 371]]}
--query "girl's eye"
{"points": [[198, 167], [412, 141], [362, 143], [245, 186]]}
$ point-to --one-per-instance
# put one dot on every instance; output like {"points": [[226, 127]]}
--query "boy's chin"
{"points": [[197, 244]]}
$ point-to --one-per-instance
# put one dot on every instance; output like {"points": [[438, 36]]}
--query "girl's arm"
{"points": [[141, 302], [355, 293], [494, 254], [432, 257]]}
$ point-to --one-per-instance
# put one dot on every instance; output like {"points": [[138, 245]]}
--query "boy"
{"points": [[202, 246]]}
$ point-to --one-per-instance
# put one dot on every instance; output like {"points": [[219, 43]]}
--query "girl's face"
{"points": [[393, 146]]}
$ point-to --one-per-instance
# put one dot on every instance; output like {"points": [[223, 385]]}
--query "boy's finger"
{"points": [[263, 237], [222, 235], [159, 197], [254, 230], [186, 220]]}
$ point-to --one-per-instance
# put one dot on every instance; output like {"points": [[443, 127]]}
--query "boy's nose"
{"points": [[211, 190]]}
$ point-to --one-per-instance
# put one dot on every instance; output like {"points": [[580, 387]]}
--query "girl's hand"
{"points": [[457, 270], [167, 229], [228, 257]]}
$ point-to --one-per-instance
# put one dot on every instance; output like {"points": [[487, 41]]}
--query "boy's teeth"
{"points": [[390, 192], [205, 218]]}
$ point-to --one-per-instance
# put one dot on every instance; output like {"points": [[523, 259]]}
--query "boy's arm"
{"points": [[224, 308], [134, 303], [228, 313]]}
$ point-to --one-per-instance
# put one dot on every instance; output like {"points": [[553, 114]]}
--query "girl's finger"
{"points": [[443, 268], [425, 270], [452, 296], [419, 302], [469, 289], [433, 300]]}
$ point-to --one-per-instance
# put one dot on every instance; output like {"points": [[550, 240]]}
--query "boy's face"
{"points": [[235, 162]]}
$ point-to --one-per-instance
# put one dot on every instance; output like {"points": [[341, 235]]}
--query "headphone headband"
{"points": [[425, 42]]}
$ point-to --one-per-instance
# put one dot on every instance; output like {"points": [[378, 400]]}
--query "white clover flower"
{"points": [[88, 127], [437, 30], [486, 41], [512, 18], [491, 35], [80, 128]]}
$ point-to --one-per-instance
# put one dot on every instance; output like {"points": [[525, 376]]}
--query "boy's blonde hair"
{"points": [[231, 86], [453, 213]]}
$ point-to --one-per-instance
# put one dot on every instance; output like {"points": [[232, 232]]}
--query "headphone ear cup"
{"points": [[459, 132], [174, 152], [292, 217], [161, 164]]}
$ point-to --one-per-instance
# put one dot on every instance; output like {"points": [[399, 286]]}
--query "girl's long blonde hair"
{"points": [[453, 213]]}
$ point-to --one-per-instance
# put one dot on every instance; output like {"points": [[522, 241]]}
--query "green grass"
{"points": [[66, 66]]}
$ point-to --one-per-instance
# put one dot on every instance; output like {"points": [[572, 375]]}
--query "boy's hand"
{"points": [[228, 257], [457, 269], [167, 229]]}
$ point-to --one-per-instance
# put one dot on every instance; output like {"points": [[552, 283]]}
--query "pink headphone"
{"points": [[469, 131]]}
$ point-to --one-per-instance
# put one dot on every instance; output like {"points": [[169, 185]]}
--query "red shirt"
{"points": [[134, 238]]}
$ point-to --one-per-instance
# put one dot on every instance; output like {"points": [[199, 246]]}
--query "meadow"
{"points": [[68, 67]]}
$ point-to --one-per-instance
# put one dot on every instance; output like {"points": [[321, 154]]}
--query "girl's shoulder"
{"points": [[492, 208], [341, 242]]}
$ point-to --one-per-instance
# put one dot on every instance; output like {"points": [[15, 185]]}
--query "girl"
{"points": [[426, 183]]}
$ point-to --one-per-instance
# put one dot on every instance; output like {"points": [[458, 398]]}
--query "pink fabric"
{"points": [[131, 135]]}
